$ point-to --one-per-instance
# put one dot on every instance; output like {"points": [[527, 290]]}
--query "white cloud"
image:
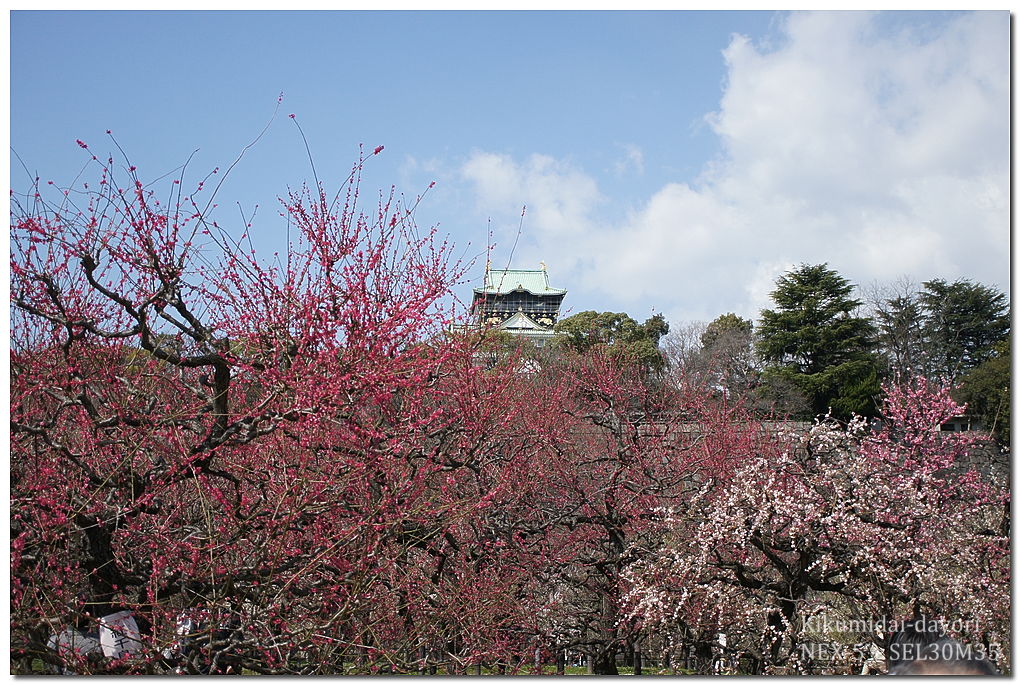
{"points": [[560, 203], [633, 161], [883, 153]]}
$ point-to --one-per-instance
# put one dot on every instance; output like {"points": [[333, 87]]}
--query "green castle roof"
{"points": [[503, 281]]}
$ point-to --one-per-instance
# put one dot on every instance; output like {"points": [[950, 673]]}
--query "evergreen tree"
{"points": [[985, 389], [963, 321], [814, 340]]}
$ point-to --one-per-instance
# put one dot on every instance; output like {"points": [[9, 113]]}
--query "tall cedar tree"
{"points": [[963, 321], [813, 340]]}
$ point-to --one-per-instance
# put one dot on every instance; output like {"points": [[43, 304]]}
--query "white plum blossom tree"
{"points": [[846, 526]]}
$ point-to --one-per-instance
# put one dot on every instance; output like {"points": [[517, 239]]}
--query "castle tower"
{"points": [[518, 301]]}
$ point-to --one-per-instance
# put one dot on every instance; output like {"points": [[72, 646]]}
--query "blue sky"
{"points": [[675, 162]]}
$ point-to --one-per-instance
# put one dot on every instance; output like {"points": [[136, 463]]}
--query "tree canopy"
{"points": [[726, 357], [620, 334], [962, 323], [815, 340], [986, 390]]}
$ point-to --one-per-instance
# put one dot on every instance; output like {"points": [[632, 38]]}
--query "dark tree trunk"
{"points": [[605, 662], [778, 622], [702, 661]]}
